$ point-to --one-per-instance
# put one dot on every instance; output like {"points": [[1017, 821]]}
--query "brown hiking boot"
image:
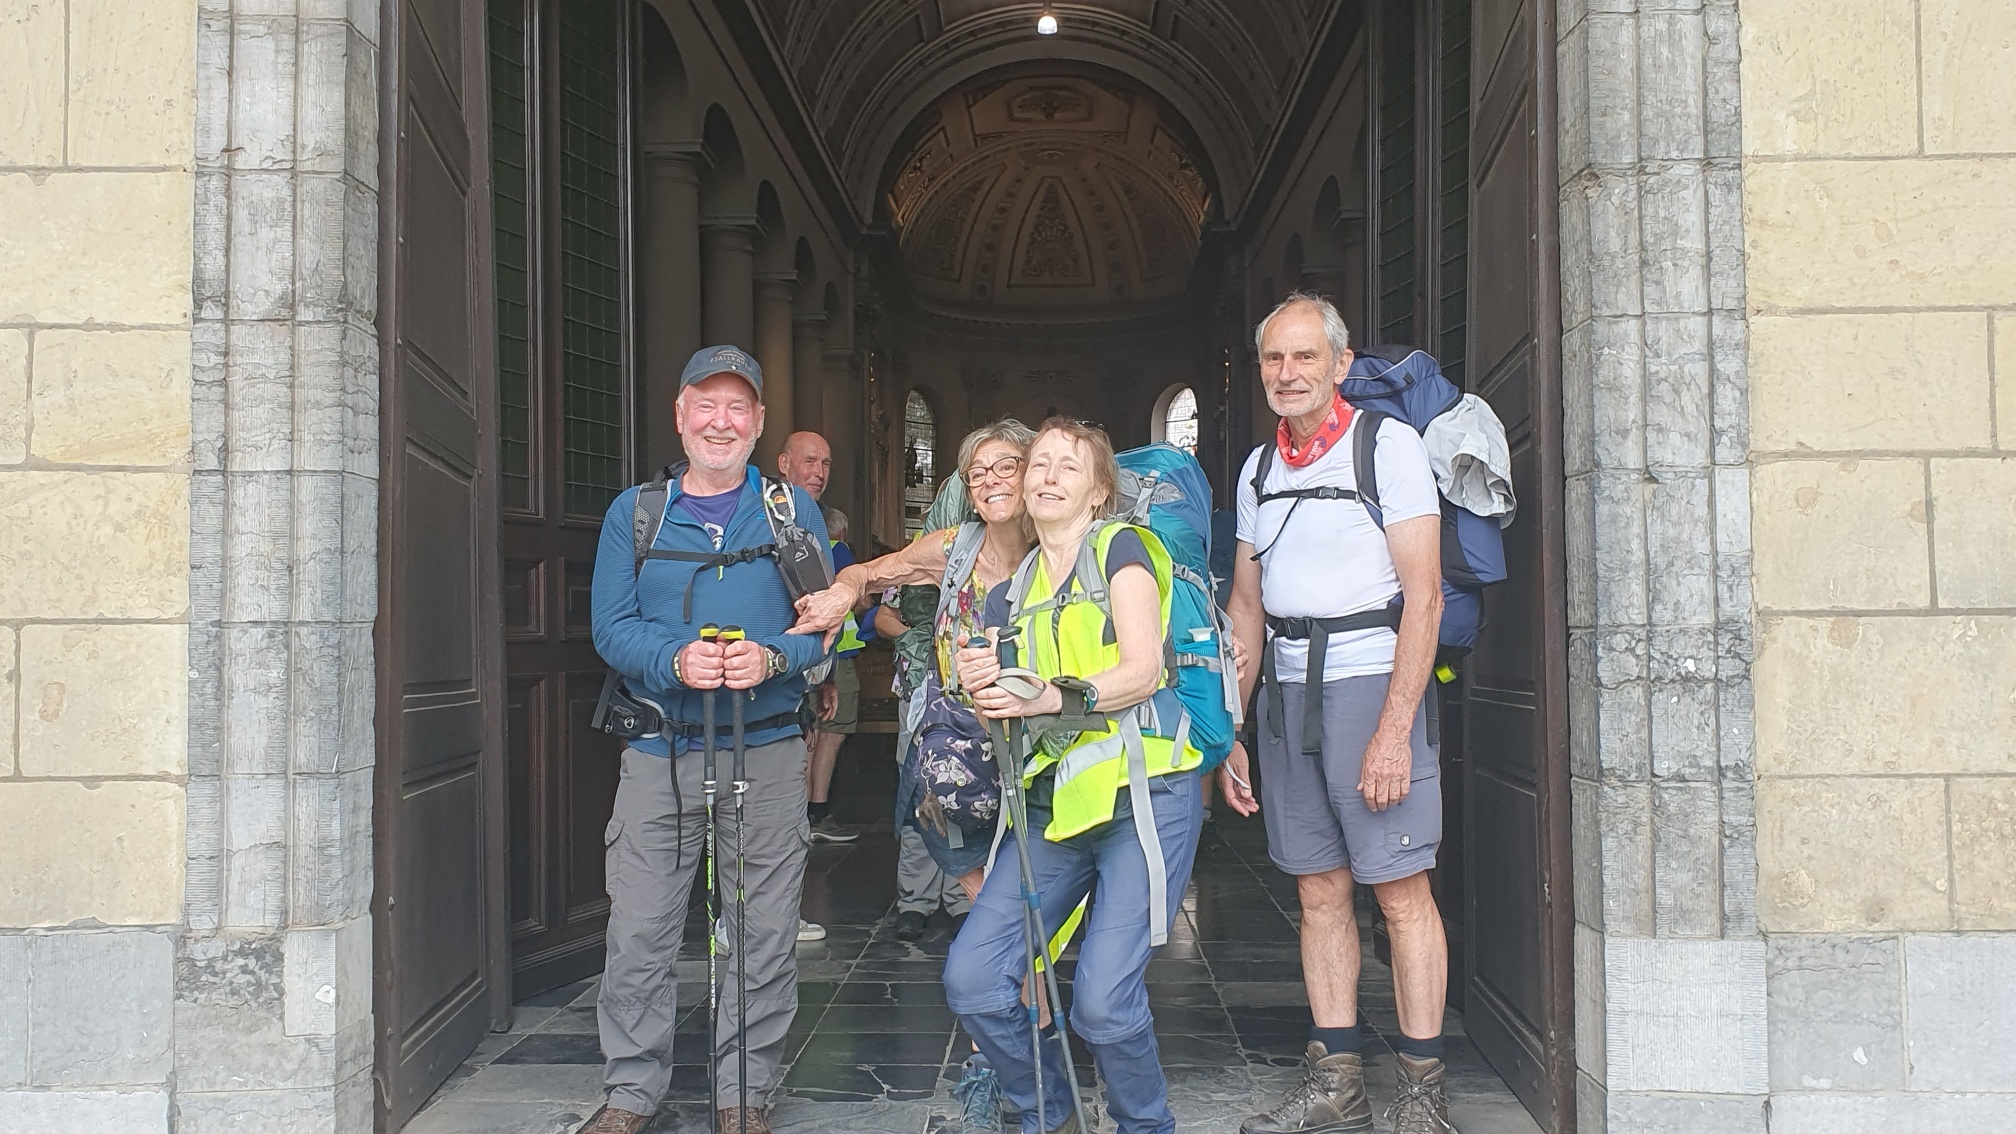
{"points": [[611, 1120], [1330, 1099], [745, 1120], [1420, 1106]]}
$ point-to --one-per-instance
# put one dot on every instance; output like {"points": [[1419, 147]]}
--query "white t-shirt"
{"points": [[1333, 560]]}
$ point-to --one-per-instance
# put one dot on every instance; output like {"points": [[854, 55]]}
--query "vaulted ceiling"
{"points": [[1048, 191], [866, 69]]}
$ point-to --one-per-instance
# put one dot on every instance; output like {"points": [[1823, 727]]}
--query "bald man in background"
{"points": [[807, 462]]}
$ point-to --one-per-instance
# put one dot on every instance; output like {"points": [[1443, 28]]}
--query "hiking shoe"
{"points": [[745, 1120], [1330, 1099], [611, 1120], [831, 830], [1421, 1105], [909, 926], [808, 931], [979, 1093]]}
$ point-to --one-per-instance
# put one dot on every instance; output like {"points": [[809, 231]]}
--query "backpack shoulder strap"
{"points": [[959, 563], [1364, 463], [649, 514], [1018, 585], [1261, 468]]}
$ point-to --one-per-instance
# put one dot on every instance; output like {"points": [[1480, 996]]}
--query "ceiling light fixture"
{"points": [[1046, 24]]}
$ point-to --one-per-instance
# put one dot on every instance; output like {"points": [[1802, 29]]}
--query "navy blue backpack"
{"points": [[1407, 384]]}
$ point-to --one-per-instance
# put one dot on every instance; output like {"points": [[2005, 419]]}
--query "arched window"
{"points": [[920, 462], [1176, 418]]}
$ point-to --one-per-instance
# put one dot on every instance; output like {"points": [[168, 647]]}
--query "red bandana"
{"points": [[1327, 435]]}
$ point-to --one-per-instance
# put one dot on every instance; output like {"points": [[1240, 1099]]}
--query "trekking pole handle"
{"points": [[710, 632]]}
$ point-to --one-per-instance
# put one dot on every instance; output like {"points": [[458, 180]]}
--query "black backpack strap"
{"points": [[649, 514], [1365, 465], [715, 559], [1261, 468]]}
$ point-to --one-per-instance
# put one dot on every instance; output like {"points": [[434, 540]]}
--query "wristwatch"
{"points": [[775, 664]]}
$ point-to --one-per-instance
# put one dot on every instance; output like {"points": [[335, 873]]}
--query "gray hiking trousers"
{"points": [[656, 844]]}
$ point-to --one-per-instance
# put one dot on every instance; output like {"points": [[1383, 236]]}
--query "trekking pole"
{"points": [[710, 633], [1043, 988], [733, 634]]}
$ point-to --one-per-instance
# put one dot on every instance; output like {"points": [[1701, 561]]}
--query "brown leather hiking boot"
{"points": [[745, 1120], [611, 1120], [1421, 1105], [1330, 1099]]}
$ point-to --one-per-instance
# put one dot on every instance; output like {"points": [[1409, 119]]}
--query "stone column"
{"points": [[808, 349], [1670, 988], [669, 261], [728, 276], [273, 990], [775, 294]]}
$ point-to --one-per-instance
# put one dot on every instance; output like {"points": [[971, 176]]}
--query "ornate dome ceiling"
{"points": [[865, 68], [1048, 192]]}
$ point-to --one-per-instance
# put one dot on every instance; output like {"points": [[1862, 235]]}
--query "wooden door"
{"points": [[437, 916], [559, 82], [1518, 1002]]}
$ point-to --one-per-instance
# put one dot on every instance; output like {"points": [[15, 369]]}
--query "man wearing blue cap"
{"points": [[704, 560]]}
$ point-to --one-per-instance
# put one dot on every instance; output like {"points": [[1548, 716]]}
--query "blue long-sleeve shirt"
{"points": [[639, 616]]}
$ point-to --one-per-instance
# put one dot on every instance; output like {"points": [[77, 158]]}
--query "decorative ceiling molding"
{"points": [[867, 68], [1047, 191]]}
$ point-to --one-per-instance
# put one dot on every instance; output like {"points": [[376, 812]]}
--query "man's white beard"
{"points": [[703, 456]]}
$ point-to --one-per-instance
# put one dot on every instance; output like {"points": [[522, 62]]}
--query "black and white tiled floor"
{"points": [[875, 1051]]}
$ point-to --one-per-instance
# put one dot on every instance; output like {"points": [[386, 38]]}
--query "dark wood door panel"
{"points": [[567, 272], [437, 907], [525, 724], [1518, 1004]]}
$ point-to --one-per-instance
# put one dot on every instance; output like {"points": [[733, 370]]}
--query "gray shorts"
{"points": [[1316, 819]]}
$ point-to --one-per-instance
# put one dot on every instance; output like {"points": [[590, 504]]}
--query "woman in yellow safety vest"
{"points": [[1112, 785]]}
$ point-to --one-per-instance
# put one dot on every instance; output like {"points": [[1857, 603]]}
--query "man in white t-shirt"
{"points": [[1349, 780]]}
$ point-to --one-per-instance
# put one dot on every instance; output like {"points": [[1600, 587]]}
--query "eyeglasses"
{"points": [[1003, 469]]}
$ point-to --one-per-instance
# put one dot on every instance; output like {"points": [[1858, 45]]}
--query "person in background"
{"points": [[839, 702], [806, 461]]}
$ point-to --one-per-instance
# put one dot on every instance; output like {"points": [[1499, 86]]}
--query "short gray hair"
{"points": [[1333, 323], [1007, 429], [836, 524]]}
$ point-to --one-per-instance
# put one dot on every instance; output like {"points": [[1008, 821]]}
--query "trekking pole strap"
{"points": [[1317, 632]]}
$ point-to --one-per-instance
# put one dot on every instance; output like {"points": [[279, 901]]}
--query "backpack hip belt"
{"points": [[1317, 631], [623, 714]]}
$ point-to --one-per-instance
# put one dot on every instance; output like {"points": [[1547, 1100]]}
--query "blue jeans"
{"points": [[1109, 991]]}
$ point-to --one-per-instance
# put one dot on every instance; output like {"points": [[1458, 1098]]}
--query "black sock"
{"points": [[817, 811], [1336, 1041], [1418, 1048]]}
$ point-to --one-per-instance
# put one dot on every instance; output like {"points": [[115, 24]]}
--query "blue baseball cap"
{"points": [[709, 361]]}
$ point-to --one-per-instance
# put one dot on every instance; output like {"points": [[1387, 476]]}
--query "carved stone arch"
{"points": [[1291, 262], [880, 137], [664, 104], [805, 263], [724, 190], [1158, 417], [773, 245]]}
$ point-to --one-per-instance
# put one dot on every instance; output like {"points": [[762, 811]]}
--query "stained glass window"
{"points": [[1179, 421], [920, 462]]}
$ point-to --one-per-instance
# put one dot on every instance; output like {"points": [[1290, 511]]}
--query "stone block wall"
{"points": [[1879, 181], [97, 137]]}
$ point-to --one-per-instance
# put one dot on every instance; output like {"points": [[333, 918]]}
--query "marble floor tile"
{"points": [[875, 1050]]}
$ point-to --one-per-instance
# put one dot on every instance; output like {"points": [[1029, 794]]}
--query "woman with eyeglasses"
{"points": [[966, 561]]}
